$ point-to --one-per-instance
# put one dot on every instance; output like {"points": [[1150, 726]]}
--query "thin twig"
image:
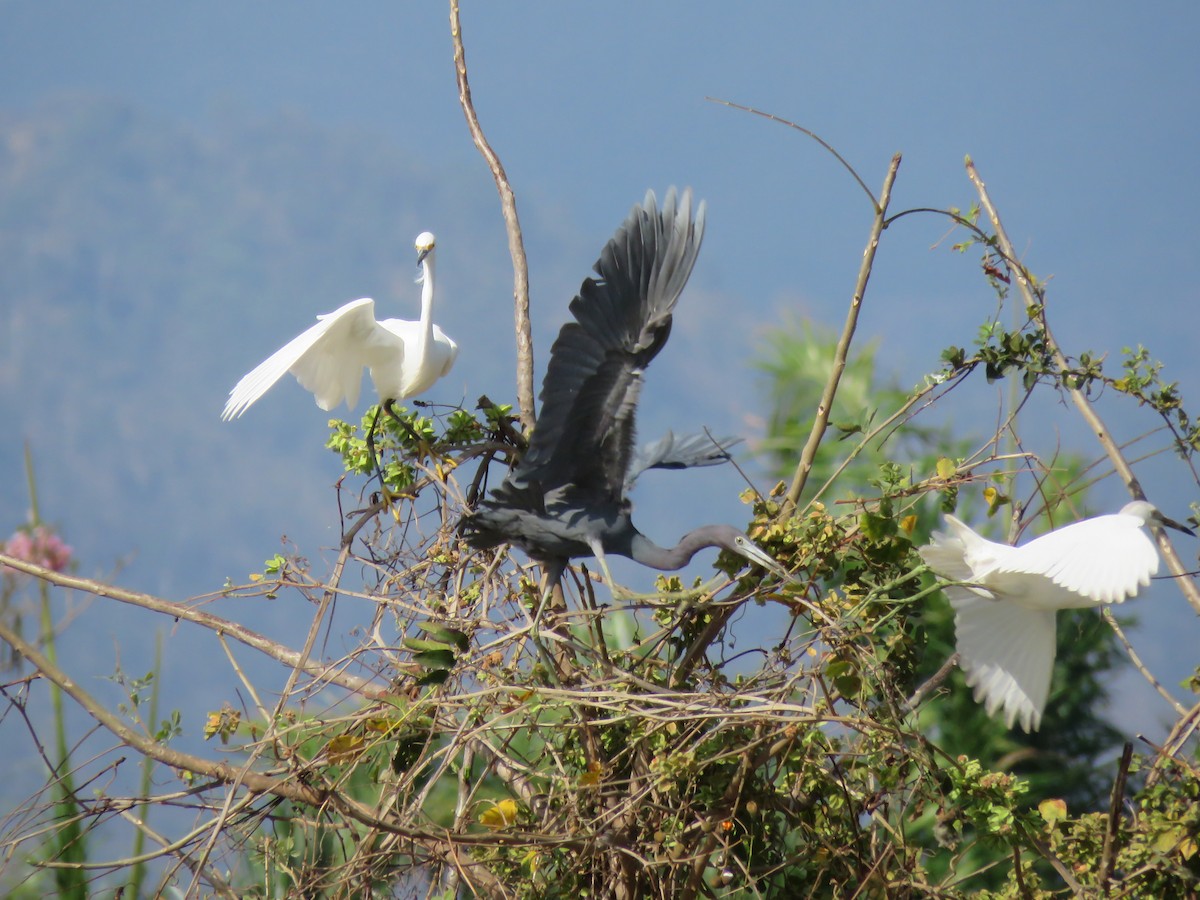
{"points": [[1139, 665], [216, 624], [512, 224], [1114, 817], [821, 419], [812, 134], [931, 684]]}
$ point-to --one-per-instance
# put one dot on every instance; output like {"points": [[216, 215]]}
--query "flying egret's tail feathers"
{"points": [[947, 555], [1007, 653]]}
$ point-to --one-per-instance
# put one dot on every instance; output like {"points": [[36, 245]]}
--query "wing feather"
{"points": [[670, 452], [586, 431], [1007, 653], [1104, 560], [327, 360]]}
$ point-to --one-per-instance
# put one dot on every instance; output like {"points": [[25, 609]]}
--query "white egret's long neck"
{"points": [[425, 336]]}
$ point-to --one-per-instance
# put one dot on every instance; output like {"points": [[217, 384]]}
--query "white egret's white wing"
{"points": [[450, 350], [1007, 653], [327, 360], [1103, 560]]}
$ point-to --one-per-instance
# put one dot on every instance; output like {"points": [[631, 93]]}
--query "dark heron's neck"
{"points": [[668, 559]]}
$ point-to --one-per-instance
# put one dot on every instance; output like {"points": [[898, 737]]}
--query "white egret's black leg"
{"points": [[371, 450], [387, 407]]}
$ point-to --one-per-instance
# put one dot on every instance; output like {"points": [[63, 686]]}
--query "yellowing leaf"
{"points": [[946, 469], [1053, 811], [591, 777], [908, 523], [212, 725], [344, 748], [501, 815]]}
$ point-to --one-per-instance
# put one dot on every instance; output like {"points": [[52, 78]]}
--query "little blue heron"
{"points": [[404, 357], [1004, 611], [566, 497]]}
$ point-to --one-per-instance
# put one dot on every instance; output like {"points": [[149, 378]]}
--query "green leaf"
{"points": [[435, 659], [446, 635]]}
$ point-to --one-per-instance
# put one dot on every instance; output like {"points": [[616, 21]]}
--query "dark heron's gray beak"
{"points": [[756, 554]]}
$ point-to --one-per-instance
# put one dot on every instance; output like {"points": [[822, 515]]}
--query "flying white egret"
{"points": [[1004, 613], [404, 357]]}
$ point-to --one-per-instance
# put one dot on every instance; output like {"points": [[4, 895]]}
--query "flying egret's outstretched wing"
{"points": [[1104, 560], [670, 452], [327, 359], [1007, 653], [585, 433]]}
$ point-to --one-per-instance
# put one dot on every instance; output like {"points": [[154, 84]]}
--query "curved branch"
{"points": [[217, 624], [812, 134], [512, 224]]}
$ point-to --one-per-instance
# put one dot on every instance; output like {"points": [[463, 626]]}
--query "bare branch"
{"points": [[516, 243], [821, 419]]}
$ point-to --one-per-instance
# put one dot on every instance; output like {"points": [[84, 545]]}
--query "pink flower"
{"points": [[40, 546]]}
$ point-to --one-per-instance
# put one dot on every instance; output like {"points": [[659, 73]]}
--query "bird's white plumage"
{"points": [[1007, 653], [1004, 616], [404, 357]]}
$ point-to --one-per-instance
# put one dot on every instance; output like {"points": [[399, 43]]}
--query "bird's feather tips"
{"points": [[1105, 559], [586, 431], [1007, 653], [671, 452], [303, 357]]}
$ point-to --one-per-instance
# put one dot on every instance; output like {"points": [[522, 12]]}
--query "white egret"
{"points": [[404, 357], [1004, 613]]}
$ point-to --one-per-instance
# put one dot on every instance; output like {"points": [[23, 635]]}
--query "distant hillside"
{"points": [[146, 265]]}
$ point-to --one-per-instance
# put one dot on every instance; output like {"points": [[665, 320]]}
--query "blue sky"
{"points": [[1083, 121]]}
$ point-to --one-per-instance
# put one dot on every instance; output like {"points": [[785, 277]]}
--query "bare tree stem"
{"points": [[215, 624], [821, 420], [512, 224]]}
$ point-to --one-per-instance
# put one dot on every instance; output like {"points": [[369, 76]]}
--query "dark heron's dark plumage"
{"points": [[567, 495]]}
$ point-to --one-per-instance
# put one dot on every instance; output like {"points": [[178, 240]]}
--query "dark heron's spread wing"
{"points": [[670, 452], [581, 450], [566, 497], [585, 432]]}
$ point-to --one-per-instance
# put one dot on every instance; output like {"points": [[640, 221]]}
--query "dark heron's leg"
{"points": [[551, 604]]}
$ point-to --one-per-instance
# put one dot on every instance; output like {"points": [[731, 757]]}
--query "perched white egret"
{"points": [[1004, 615], [404, 357]]}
